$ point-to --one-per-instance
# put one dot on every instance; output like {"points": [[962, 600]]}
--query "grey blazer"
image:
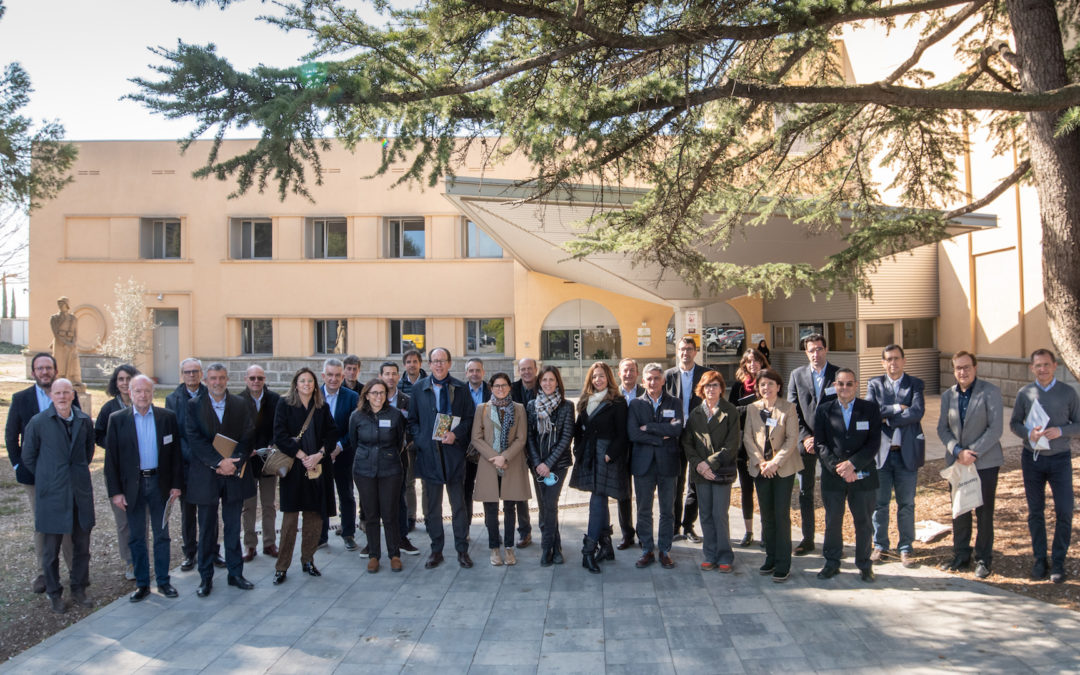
{"points": [[982, 427]]}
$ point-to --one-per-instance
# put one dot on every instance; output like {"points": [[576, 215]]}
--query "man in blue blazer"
{"points": [[899, 397], [847, 437], [342, 402]]}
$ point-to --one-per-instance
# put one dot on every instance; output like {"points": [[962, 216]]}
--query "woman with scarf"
{"points": [[551, 428], [600, 465], [498, 435], [743, 393], [121, 399]]}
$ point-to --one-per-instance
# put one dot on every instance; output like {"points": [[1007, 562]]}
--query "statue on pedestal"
{"points": [[65, 330]]}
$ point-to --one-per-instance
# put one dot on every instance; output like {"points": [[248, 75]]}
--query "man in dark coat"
{"points": [[522, 391], [630, 389], [214, 479], [847, 436], [191, 387], [681, 382], [441, 462], [57, 450], [142, 472], [24, 405], [342, 402], [261, 404]]}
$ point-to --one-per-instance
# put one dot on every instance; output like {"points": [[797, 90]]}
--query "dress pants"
{"points": [[984, 541], [267, 491], [684, 515], [1056, 470], [861, 503], [715, 499], [381, 499], [774, 500], [189, 518], [123, 535], [664, 487], [39, 538], [895, 477], [80, 557], [410, 485], [309, 538], [491, 519], [149, 500], [433, 503], [208, 534], [547, 499], [746, 488], [469, 486], [343, 486], [626, 514], [807, 481]]}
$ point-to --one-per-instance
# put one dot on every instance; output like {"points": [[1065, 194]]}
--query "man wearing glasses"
{"points": [[847, 438], [262, 403]]}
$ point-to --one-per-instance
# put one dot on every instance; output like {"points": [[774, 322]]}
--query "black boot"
{"points": [[547, 557], [588, 555], [606, 551]]}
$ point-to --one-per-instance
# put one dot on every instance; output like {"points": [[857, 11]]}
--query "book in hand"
{"points": [[225, 446], [443, 424]]}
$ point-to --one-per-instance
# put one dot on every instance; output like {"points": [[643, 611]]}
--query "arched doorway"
{"points": [[577, 333]]}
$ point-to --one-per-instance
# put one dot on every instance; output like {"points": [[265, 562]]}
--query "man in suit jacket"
{"points": [[191, 386], [681, 382], [899, 397], [261, 404], [970, 426], [654, 424], [389, 374], [142, 471], [809, 387], [630, 389], [24, 405], [214, 480], [441, 463], [848, 436], [342, 403], [57, 450]]}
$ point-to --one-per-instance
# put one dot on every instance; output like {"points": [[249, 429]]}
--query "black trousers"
{"points": [[746, 488], [547, 499], [806, 495], [381, 497], [433, 502], [469, 485], [685, 514], [189, 518], [861, 503], [627, 515], [491, 519], [984, 541], [80, 557], [208, 534]]}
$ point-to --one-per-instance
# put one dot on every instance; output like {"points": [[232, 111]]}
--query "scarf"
{"points": [[748, 384], [595, 400], [501, 412], [442, 396], [545, 407]]}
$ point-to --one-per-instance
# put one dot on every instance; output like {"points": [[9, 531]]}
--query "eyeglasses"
{"points": [[712, 385], [501, 385], [191, 372], [254, 378], [438, 362], [377, 392], [845, 384], [814, 350]]}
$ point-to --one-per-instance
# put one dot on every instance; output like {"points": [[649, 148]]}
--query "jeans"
{"points": [[1056, 470], [714, 500], [774, 499], [599, 517], [149, 499], [861, 503], [267, 491], [547, 498], [664, 487], [381, 499], [683, 514], [51, 545], [984, 541], [895, 476], [806, 495], [432, 505]]}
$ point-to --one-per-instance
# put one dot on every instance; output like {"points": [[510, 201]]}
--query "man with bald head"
{"points": [[523, 391], [261, 406]]}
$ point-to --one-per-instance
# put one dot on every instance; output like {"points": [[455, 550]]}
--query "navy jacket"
{"points": [[908, 421], [177, 403], [204, 485], [24, 406], [435, 461], [122, 463], [346, 404], [858, 442], [658, 445]]}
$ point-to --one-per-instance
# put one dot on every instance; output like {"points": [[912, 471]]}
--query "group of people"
{"points": [[224, 456]]}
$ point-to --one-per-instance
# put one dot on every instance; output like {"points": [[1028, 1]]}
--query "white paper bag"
{"points": [[966, 487]]}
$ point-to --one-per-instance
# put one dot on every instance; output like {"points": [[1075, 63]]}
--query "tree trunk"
{"points": [[1056, 165]]}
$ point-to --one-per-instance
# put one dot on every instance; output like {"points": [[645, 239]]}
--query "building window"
{"points": [[484, 336], [257, 336], [159, 238], [842, 336], [808, 329], [405, 238], [406, 334], [783, 337], [918, 333], [326, 238], [251, 239], [580, 344], [331, 336], [478, 244], [879, 334]]}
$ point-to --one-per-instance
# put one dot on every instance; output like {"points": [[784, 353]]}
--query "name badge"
{"points": [[384, 424], [830, 391], [862, 426], [669, 413], [167, 439], [770, 422]]}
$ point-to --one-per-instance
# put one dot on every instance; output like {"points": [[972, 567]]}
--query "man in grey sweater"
{"points": [[1051, 464]]}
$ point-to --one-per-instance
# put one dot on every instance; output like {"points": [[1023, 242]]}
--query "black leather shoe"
{"points": [[557, 556], [310, 569], [140, 594], [433, 561], [279, 578], [39, 584], [1039, 571], [804, 547], [626, 543], [56, 604], [866, 575], [464, 560], [205, 588], [219, 562], [956, 564], [692, 536], [747, 539], [547, 558], [241, 583], [187, 565], [168, 591], [78, 596], [828, 572], [982, 570]]}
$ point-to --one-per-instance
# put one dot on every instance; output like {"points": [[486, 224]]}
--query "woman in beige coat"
{"points": [[499, 434], [771, 438]]}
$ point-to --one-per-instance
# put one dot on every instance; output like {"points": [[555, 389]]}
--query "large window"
{"points": [[159, 238], [406, 334], [257, 336], [879, 335], [484, 336], [251, 239], [478, 244], [842, 336], [405, 238], [918, 333], [327, 238], [331, 336]]}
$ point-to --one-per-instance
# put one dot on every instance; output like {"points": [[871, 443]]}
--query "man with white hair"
{"points": [[191, 386], [142, 472]]}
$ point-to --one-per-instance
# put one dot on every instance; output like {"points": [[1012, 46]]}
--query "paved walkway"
{"points": [[562, 619]]}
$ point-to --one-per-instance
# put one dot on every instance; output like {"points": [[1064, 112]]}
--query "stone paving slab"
{"points": [[561, 619]]}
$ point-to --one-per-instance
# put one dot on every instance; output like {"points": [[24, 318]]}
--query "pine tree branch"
{"points": [[1021, 170]]}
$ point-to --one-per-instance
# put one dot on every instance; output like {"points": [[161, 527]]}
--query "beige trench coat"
{"points": [[515, 480], [784, 437]]}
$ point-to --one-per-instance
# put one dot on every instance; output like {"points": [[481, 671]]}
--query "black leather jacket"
{"points": [[551, 449]]}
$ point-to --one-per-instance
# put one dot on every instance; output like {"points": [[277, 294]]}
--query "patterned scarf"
{"points": [[545, 407], [501, 412]]}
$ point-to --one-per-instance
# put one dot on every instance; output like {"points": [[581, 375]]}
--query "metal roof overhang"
{"points": [[535, 233]]}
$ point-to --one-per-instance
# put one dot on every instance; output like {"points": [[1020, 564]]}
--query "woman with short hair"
{"points": [[551, 429]]}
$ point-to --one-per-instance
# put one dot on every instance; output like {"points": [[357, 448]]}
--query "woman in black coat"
{"points": [[743, 393], [121, 399], [306, 487], [601, 458], [377, 431], [551, 428]]}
